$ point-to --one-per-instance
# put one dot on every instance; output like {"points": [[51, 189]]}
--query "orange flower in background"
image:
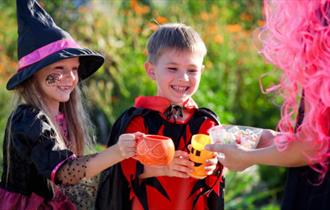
{"points": [[134, 4], [161, 19], [140, 10], [145, 52], [234, 28], [213, 28], [204, 16], [261, 22], [136, 30], [153, 26], [218, 39], [156, 22], [246, 17], [7, 67]]}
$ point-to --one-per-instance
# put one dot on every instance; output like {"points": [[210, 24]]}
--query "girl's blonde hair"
{"points": [[80, 129], [79, 125]]}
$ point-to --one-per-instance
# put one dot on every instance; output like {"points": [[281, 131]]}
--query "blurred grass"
{"points": [[5, 105]]}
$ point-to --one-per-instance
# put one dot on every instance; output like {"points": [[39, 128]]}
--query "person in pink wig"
{"points": [[296, 39]]}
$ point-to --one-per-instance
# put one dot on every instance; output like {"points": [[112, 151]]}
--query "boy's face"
{"points": [[177, 74]]}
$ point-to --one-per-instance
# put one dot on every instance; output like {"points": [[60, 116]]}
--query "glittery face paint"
{"points": [[53, 78], [58, 77], [57, 81]]}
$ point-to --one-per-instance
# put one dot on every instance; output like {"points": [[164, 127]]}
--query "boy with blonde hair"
{"points": [[175, 63]]}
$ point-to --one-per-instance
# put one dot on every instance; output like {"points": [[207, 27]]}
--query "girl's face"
{"points": [[58, 80], [177, 74]]}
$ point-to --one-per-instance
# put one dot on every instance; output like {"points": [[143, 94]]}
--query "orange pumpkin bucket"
{"points": [[154, 150]]}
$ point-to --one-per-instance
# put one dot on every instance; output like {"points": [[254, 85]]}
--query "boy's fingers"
{"points": [[209, 168], [138, 135], [183, 169], [181, 154], [185, 162], [127, 137], [212, 161], [189, 147], [180, 174]]}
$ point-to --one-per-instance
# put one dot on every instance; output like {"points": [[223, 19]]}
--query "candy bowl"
{"points": [[246, 136]]}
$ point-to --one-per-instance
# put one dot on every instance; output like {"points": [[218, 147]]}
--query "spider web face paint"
{"points": [[56, 78], [53, 78]]}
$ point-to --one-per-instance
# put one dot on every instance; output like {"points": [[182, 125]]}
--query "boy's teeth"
{"points": [[180, 89]]}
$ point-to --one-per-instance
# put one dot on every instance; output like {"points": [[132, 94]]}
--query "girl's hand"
{"points": [[233, 159], [127, 144], [266, 138], [180, 166]]}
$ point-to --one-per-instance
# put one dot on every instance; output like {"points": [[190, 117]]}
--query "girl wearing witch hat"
{"points": [[46, 132]]}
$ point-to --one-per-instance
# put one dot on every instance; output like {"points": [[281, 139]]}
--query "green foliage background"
{"points": [[120, 29]]}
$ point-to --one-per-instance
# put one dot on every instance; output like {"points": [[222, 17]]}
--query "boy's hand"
{"points": [[180, 166], [211, 164], [127, 144]]}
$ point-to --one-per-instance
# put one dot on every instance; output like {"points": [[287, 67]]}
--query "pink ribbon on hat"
{"points": [[45, 51]]}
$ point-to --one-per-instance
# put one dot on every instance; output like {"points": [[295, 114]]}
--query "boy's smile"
{"points": [[180, 89], [177, 74]]}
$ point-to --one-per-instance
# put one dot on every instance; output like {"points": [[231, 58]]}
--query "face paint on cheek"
{"points": [[53, 78]]}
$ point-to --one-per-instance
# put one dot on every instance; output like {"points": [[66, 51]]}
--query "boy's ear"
{"points": [[149, 67]]}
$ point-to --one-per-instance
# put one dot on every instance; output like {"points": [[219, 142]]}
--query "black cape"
{"points": [[113, 192]]}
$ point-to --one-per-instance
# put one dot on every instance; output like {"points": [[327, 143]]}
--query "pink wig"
{"points": [[297, 40]]}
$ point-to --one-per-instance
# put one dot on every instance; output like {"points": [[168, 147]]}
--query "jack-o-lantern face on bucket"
{"points": [[198, 155]]}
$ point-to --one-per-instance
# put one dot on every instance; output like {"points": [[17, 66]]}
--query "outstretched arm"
{"points": [[75, 169], [238, 158]]}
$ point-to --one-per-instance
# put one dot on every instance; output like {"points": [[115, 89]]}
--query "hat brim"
{"points": [[89, 60]]}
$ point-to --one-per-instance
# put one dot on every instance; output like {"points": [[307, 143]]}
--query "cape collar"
{"points": [[161, 104]]}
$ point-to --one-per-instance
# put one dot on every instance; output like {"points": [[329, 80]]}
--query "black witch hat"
{"points": [[41, 42]]}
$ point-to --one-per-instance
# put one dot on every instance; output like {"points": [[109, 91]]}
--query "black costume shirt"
{"points": [[33, 153], [302, 190]]}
